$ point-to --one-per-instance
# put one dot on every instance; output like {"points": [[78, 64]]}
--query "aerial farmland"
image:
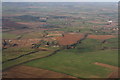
{"points": [[60, 40]]}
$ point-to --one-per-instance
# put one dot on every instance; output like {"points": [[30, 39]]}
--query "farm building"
{"points": [[109, 21]]}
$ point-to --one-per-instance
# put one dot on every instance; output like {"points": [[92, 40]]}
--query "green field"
{"points": [[8, 36], [16, 52], [32, 35], [78, 64], [49, 23]]}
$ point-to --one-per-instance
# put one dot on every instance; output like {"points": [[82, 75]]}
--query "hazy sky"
{"points": [[60, 0]]}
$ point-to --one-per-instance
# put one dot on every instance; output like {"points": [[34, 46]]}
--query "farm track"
{"points": [[115, 69], [107, 66]]}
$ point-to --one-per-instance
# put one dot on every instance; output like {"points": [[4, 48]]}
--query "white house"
{"points": [[110, 21]]}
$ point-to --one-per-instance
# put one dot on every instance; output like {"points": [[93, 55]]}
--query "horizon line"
{"points": [[51, 1]]}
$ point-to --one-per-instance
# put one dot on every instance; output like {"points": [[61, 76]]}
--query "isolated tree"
{"points": [[63, 35], [4, 43]]}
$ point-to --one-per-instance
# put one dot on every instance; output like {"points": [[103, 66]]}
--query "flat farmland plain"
{"points": [[80, 65], [60, 40]]}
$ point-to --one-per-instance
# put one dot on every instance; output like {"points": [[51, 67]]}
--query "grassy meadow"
{"points": [[78, 64]]}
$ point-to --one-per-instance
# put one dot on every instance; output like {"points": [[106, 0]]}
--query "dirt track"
{"points": [[31, 72], [107, 66], [115, 70]]}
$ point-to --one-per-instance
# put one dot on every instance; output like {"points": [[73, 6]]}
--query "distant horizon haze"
{"points": [[60, 0]]}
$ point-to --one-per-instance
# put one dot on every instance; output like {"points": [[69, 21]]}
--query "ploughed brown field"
{"points": [[7, 24], [69, 39], [101, 37], [31, 72]]}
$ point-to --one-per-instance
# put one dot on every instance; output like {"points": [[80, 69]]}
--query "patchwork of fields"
{"points": [[81, 65], [47, 40]]}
